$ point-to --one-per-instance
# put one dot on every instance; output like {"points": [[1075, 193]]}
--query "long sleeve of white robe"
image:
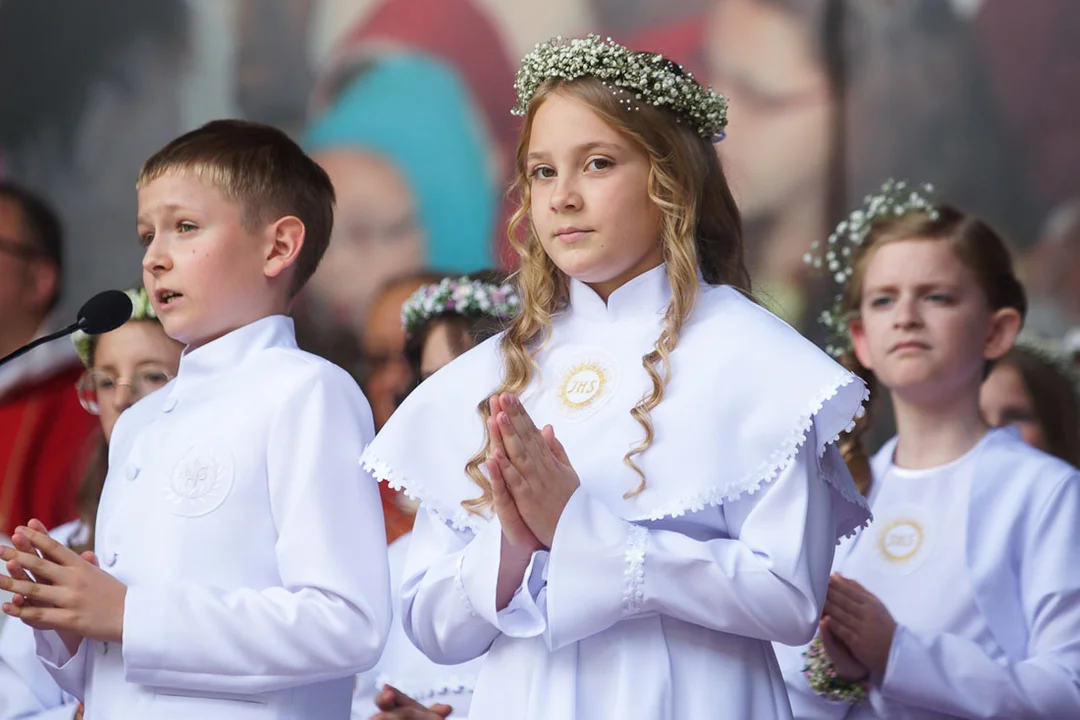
{"points": [[950, 674], [329, 617], [27, 692], [448, 596], [766, 580]]}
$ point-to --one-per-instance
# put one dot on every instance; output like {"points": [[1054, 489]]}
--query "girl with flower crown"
{"points": [[632, 490], [440, 321], [962, 599]]}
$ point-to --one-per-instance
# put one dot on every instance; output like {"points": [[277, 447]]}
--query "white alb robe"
{"points": [[251, 544], [661, 605], [982, 575]]}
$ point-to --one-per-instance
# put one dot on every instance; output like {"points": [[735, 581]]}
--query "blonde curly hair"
{"points": [[700, 231]]}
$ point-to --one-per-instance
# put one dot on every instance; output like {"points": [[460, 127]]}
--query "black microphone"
{"points": [[102, 313]]}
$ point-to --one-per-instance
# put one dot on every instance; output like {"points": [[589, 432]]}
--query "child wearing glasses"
{"points": [[122, 367]]}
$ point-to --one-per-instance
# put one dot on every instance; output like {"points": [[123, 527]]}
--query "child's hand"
{"points": [[396, 705], [534, 468], [68, 593], [861, 622], [516, 532], [847, 667], [71, 640]]}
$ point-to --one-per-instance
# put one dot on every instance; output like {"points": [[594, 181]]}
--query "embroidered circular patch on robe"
{"points": [[903, 540], [200, 482], [584, 382]]}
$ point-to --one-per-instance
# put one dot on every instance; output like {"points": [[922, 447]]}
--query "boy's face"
{"points": [[203, 268]]}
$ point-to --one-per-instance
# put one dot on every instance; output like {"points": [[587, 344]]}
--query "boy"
{"points": [[247, 573]]}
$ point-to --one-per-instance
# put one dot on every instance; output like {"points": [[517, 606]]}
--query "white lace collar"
{"points": [[743, 409]]}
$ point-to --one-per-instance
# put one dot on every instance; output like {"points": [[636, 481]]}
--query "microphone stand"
{"points": [[42, 340]]}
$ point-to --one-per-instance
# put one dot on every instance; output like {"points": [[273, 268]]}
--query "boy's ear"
{"points": [[1005, 326], [286, 240]]}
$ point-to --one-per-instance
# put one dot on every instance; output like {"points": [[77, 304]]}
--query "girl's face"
{"points": [[129, 363], [781, 113], [438, 350], [924, 327], [376, 235], [1004, 400], [590, 203]]}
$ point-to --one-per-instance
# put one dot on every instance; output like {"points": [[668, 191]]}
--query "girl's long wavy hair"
{"points": [[975, 243], [700, 230]]}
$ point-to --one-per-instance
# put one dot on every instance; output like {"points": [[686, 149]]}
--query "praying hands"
{"points": [[61, 590], [531, 476], [863, 625]]}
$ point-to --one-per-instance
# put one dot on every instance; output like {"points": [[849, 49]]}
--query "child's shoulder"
{"points": [[291, 367], [1029, 470], [728, 321]]}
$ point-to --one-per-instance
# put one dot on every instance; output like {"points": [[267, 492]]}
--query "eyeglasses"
{"points": [[96, 387]]}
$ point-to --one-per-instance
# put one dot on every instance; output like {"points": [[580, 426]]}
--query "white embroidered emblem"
{"points": [[200, 482], [585, 383]]}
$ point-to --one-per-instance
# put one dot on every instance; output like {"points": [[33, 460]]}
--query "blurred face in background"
{"points": [[1005, 400], [377, 235], [27, 280], [129, 363], [779, 142], [386, 373]]}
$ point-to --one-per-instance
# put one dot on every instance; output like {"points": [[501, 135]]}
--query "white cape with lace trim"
{"points": [[745, 391]]}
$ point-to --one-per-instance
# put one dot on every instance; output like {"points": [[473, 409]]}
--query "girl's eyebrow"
{"points": [[579, 149]]}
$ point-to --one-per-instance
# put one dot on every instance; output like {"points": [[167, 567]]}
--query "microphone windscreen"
{"points": [[105, 312]]}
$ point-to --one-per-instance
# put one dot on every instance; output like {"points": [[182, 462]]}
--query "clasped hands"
{"points": [[856, 630], [60, 589], [531, 476]]}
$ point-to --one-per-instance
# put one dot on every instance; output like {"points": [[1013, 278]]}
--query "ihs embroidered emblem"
{"points": [[582, 384], [586, 382], [200, 482], [901, 540]]}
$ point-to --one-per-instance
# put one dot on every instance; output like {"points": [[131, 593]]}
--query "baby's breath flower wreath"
{"points": [[650, 78], [460, 296], [895, 199]]}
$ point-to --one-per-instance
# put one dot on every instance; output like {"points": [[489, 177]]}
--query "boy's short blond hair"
{"points": [[262, 169]]}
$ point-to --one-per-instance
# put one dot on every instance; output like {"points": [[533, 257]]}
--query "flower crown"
{"points": [[894, 200], [141, 309], [650, 77], [461, 296]]}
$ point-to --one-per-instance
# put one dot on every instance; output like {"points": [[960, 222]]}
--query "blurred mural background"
{"points": [[406, 103]]}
